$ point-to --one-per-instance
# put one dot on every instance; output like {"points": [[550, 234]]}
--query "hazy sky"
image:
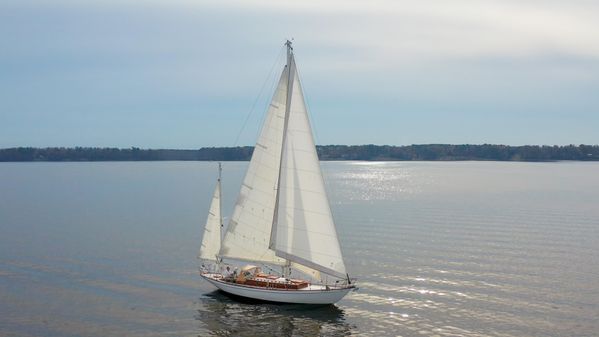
{"points": [[185, 74]]}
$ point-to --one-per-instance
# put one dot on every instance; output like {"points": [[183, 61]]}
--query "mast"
{"points": [[290, 78]]}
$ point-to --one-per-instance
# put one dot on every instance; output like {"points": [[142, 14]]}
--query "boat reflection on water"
{"points": [[222, 314]]}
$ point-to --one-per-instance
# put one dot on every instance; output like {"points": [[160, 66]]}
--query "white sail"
{"points": [[304, 231], [211, 239], [248, 232], [314, 274]]}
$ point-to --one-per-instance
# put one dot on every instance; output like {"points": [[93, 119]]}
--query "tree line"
{"points": [[325, 152]]}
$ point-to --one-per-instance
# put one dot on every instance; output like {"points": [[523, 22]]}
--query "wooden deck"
{"points": [[272, 281]]}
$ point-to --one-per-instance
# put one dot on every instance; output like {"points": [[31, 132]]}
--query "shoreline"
{"points": [[425, 152]]}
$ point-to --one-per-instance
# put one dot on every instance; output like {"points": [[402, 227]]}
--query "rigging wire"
{"points": [[247, 118]]}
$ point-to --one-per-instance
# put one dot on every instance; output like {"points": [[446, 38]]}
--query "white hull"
{"points": [[310, 295]]}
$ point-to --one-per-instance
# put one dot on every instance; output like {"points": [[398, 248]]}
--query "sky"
{"points": [[190, 74]]}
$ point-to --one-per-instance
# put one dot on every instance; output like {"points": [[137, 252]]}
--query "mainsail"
{"points": [[211, 239]]}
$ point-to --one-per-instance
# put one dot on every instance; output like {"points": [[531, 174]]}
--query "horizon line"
{"points": [[317, 145]]}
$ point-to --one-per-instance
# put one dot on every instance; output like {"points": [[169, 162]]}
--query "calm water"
{"points": [[440, 249]]}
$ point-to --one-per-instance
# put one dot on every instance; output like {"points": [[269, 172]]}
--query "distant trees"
{"points": [[459, 152], [327, 152]]}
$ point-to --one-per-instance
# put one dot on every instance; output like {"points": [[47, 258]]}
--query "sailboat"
{"points": [[282, 217]]}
